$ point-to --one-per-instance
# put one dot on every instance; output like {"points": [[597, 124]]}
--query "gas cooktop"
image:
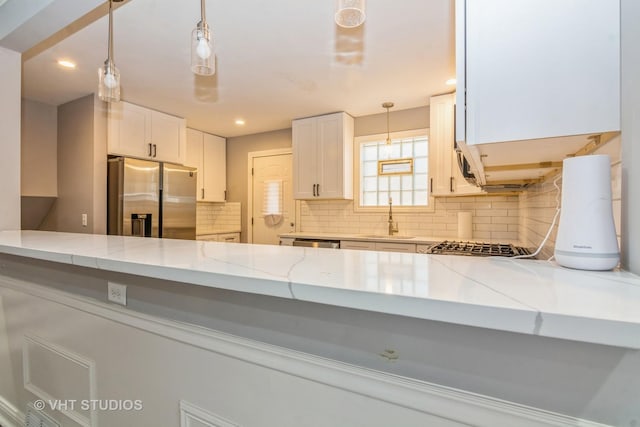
{"points": [[477, 249]]}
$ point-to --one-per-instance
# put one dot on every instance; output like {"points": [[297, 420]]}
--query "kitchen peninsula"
{"points": [[425, 334]]}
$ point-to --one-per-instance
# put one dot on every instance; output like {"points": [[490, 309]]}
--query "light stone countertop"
{"points": [[524, 296]]}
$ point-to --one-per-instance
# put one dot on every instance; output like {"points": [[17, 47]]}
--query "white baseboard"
{"points": [[433, 399], [10, 416]]}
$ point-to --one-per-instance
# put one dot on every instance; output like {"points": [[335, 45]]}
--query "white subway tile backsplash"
{"points": [[217, 217], [492, 211]]}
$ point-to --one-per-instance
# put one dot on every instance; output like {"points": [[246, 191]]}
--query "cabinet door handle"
{"points": [[318, 190], [155, 150], [149, 144], [451, 184], [203, 193], [430, 185], [314, 190], [225, 195]]}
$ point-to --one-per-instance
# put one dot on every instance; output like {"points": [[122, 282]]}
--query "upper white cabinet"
{"points": [[445, 177], [208, 153], [532, 69], [136, 131], [323, 157]]}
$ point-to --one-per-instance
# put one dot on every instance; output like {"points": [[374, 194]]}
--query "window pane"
{"points": [[421, 148], [420, 181], [369, 152], [405, 189], [370, 168], [370, 184], [383, 198], [394, 182], [420, 198], [370, 199], [407, 198], [420, 165], [407, 149]]}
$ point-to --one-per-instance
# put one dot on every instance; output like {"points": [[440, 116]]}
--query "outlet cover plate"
{"points": [[117, 293]]}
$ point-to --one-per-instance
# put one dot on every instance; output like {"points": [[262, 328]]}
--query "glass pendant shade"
{"points": [[108, 74], [203, 60], [109, 82], [350, 13]]}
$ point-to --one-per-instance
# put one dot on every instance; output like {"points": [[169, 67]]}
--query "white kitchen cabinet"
{"points": [[445, 177], [323, 157], [396, 247], [136, 131], [220, 237], [207, 153], [361, 245], [364, 245], [533, 69]]}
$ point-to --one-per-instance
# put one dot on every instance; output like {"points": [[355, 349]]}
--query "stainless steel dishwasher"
{"points": [[317, 243]]}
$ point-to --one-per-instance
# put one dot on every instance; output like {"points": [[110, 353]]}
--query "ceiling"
{"points": [[276, 60]]}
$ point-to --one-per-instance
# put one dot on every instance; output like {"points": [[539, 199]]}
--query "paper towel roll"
{"points": [[464, 225]]}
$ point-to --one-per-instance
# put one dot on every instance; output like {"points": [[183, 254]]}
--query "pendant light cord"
{"points": [[202, 13], [110, 49]]}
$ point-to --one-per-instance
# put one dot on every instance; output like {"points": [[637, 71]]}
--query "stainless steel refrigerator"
{"points": [[151, 199]]}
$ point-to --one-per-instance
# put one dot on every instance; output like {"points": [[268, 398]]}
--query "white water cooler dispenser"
{"points": [[586, 237]]}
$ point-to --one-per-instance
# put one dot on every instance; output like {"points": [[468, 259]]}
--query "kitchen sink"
{"points": [[385, 236]]}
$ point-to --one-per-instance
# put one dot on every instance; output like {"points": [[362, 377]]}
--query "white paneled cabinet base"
{"points": [[136, 131], [208, 154], [540, 72], [323, 157], [283, 387]]}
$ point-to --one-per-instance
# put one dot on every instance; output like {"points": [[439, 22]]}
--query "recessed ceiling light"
{"points": [[240, 122], [451, 82], [66, 64]]}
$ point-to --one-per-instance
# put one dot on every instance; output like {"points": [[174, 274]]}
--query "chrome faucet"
{"points": [[392, 228]]}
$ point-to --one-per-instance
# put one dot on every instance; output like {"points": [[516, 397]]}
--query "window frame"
{"points": [[357, 142]]}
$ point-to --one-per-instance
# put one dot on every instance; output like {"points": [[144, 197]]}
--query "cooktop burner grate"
{"points": [[477, 249]]}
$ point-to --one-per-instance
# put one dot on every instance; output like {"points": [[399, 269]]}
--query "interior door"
{"points": [[273, 206]]}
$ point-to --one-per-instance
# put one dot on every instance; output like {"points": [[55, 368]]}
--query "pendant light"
{"points": [[388, 105], [108, 74], [202, 56], [350, 13]]}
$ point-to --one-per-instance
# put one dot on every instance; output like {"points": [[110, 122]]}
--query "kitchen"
{"points": [[381, 128]]}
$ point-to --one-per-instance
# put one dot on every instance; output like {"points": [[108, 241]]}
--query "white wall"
{"points": [[39, 149], [630, 34], [10, 84]]}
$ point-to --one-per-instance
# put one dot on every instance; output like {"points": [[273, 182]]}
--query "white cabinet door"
{"points": [[445, 176], [305, 161], [323, 157], [136, 131], [129, 130], [207, 153], [229, 237], [194, 158], [358, 245], [396, 247], [535, 69], [214, 168], [168, 136]]}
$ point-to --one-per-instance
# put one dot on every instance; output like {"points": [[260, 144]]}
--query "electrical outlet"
{"points": [[84, 220], [117, 293]]}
